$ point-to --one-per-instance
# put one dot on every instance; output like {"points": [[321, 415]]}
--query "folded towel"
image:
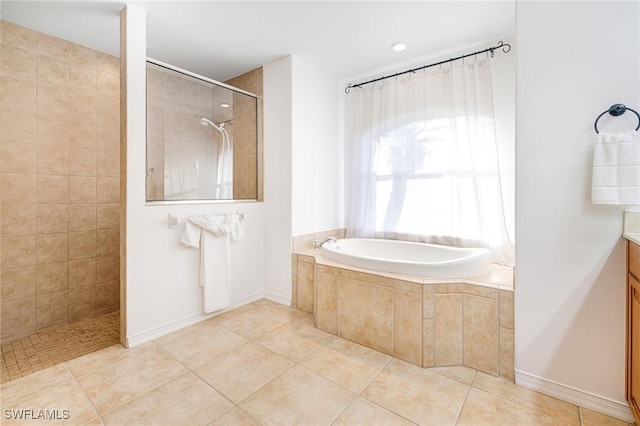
{"points": [[616, 169]]}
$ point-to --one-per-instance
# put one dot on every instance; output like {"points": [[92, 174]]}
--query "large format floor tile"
{"points": [[145, 368], [266, 364], [419, 395], [243, 371], [298, 397]]}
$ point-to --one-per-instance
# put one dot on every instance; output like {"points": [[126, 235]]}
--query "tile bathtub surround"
{"points": [[59, 151], [213, 374], [428, 325]]}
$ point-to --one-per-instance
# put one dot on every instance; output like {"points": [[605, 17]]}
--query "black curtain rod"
{"points": [[505, 48]]}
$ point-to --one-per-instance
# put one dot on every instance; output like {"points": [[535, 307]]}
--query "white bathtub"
{"points": [[429, 260]]}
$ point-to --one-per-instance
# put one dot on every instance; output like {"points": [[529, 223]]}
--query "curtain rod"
{"points": [[506, 48]]}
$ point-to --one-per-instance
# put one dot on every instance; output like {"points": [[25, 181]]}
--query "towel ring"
{"points": [[617, 110]]}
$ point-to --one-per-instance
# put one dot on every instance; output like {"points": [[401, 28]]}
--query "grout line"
{"points": [[464, 402]]}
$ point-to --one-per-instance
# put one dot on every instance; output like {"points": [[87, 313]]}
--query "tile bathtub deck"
{"points": [[266, 364]]}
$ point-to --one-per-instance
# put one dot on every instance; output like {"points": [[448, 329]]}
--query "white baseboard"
{"points": [[154, 333], [598, 403], [274, 297]]}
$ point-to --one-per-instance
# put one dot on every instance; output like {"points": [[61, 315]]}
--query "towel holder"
{"points": [[617, 110]]}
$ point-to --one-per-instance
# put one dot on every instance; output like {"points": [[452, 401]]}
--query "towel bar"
{"points": [[617, 110], [175, 220]]}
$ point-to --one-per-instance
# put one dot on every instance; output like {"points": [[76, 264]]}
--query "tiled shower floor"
{"points": [[38, 351]]}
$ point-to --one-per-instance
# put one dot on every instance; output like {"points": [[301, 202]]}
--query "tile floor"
{"points": [[266, 364], [44, 349]]}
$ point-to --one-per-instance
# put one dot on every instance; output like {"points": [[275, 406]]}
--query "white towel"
{"points": [[215, 261], [616, 169]]}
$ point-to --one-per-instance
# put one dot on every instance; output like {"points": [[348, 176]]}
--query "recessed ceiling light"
{"points": [[224, 105], [398, 47]]}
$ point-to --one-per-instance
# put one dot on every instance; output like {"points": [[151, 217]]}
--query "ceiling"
{"points": [[222, 39]]}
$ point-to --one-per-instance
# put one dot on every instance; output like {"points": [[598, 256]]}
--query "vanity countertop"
{"points": [[632, 236]]}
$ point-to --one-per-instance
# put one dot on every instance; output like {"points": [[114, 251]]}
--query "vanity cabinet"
{"points": [[633, 329]]}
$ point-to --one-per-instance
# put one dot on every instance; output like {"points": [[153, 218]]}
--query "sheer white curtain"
{"points": [[423, 164]]}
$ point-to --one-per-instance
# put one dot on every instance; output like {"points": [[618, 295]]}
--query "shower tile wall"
{"points": [[245, 161], [60, 180]]}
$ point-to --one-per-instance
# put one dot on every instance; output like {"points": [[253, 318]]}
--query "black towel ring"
{"points": [[617, 110]]}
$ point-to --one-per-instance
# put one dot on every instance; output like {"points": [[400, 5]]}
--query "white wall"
{"points": [[315, 166], [277, 78], [574, 60], [162, 276]]}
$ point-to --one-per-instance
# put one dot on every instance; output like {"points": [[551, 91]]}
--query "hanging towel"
{"points": [[215, 262], [616, 169]]}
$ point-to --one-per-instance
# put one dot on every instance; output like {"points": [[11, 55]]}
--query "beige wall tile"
{"points": [[479, 290], [407, 326], [505, 306], [82, 272], [408, 286], [82, 134], [108, 163], [52, 46], [428, 343], [82, 112], [428, 300], [18, 126], [506, 354], [18, 251], [18, 220], [305, 286], [51, 307], [82, 161], [52, 248], [480, 333], [53, 189], [82, 300], [82, 56], [17, 63], [108, 190], [18, 283], [82, 189], [52, 71], [52, 277], [82, 79], [326, 312], [108, 241], [17, 315], [53, 130], [17, 36], [448, 329], [361, 276], [108, 63], [107, 267], [108, 216], [449, 288], [108, 134], [82, 217], [82, 244], [18, 189], [107, 294], [52, 218], [18, 157], [365, 314], [17, 94], [53, 160]]}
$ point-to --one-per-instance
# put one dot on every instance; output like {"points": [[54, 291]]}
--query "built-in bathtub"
{"points": [[404, 257], [457, 320]]}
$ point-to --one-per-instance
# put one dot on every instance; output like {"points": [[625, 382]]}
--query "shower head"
{"points": [[207, 122]]}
